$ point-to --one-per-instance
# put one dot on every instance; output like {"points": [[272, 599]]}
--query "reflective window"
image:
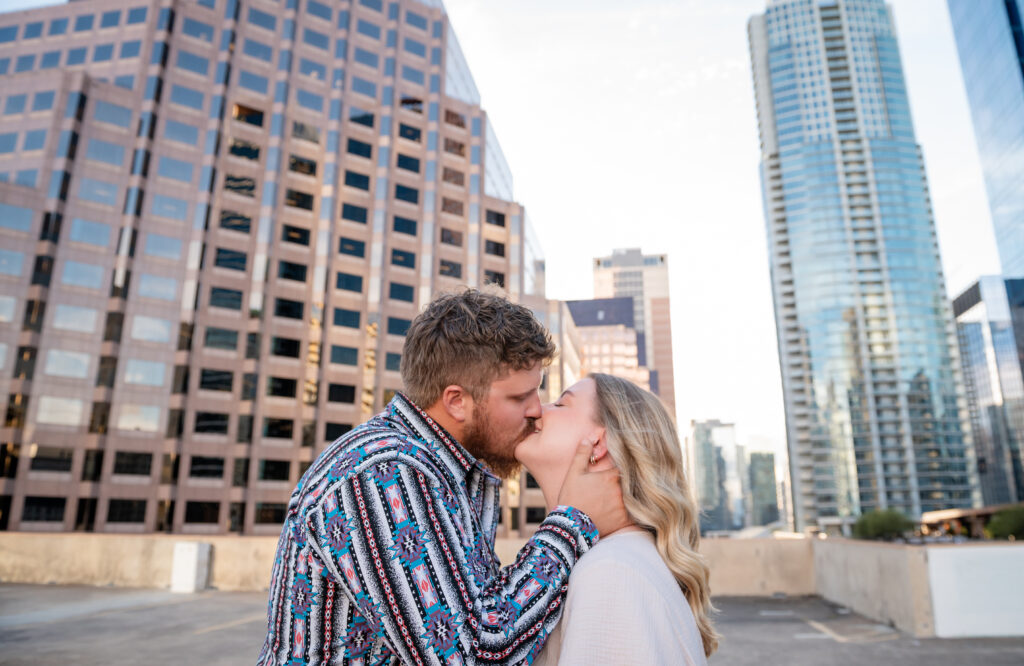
{"points": [[43, 101], [93, 233], [15, 104], [403, 258], [397, 326], [393, 361], [368, 58], [32, 30], [306, 132], [242, 185], [315, 39], [282, 387], [130, 50], [51, 459], [346, 318], [230, 259], [364, 87], [181, 132], [126, 510], [58, 26], [248, 115], [50, 60], [7, 309], [408, 163], [8, 142], [369, 29], [258, 50], [285, 347], [105, 112], [451, 237], [186, 96], [216, 380], [221, 338], [151, 329], [97, 191], [494, 248], [77, 274], [205, 467], [262, 19], [140, 418], [235, 221], [349, 282], [106, 152], [11, 262], [360, 117], [357, 180], [298, 199], [352, 247], [74, 318], [60, 411], [288, 270], [61, 363], [416, 20], [495, 278], [200, 30], [179, 170], [164, 247], [211, 423], [136, 15], [103, 52], [192, 62], [43, 509], [169, 207], [244, 149], [354, 213], [401, 292], [309, 100], [297, 235], [361, 148], [253, 82], [412, 75], [450, 269], [404, 225], [225, 298], [409, 132], [341, 393], [83, 23], [154, 286], [301, 165], [495, 218], [288, 309], [415, 47], [76, 56], [146, 373], [404, 193]]}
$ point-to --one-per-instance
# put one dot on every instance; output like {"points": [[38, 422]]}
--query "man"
{"points": [[387, 552]]}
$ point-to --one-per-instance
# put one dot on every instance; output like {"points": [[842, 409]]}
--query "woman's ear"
{"points": [[597, 435]]}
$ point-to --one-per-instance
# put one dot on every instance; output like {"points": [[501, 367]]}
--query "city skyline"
{"points": [[700, 49]]}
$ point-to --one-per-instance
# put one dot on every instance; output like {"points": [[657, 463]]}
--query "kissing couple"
{"points": [[387, 551]]}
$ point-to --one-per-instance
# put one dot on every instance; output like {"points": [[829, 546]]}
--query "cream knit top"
{"points": [[624, 607]]}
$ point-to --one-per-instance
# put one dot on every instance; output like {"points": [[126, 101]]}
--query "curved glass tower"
{"points": [[875, 412]]}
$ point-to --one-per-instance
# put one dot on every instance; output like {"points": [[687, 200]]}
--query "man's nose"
{"points": [[534, 409]]}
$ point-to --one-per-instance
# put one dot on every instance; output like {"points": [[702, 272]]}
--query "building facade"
{"points": [[218, 219], [990, 41], [628, 272], [876, 415], [716, 468], [609, 340], [990, 325], [764, 505]]}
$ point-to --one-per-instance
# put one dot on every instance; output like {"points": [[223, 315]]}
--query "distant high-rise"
{"points": [[764, 504], [717, 473], [218, 219], [990, 324], [990, 40], [628, 272], [876, 415], [608, 338]]}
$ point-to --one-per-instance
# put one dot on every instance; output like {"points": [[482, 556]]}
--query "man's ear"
{"points": [[457, 403]]}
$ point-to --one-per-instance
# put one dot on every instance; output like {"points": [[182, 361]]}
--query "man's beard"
{"points": [[495, 447]]}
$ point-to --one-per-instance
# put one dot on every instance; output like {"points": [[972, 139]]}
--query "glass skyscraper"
{"points": [[990, 40], [990, 325], [875, 411], [217, 221]]}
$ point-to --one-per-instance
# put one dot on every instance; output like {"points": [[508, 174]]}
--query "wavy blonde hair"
{"points": [[644, 445]]}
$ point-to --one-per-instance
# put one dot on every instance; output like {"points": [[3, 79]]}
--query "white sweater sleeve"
{"points": [[615, 615]]}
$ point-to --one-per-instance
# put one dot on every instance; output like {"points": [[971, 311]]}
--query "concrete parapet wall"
{"points": [[759, 567], [885, 582], [977, 590]]}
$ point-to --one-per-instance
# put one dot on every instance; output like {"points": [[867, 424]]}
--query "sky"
{"points": [[632, 124]]}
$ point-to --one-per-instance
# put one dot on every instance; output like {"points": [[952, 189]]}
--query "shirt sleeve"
{"points": [[425, 580]]}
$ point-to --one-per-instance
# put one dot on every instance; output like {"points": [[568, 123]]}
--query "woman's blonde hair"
{"points": [[643, 444]]}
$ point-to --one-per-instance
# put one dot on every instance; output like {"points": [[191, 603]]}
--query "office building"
{"points": [[218, 219], [716, 468], [628, 272], [608, 338], [990, 41], [763, 502], [990, 324], [876, 414]]}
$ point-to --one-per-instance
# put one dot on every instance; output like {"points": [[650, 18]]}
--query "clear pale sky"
{"points": [[632, 124]]}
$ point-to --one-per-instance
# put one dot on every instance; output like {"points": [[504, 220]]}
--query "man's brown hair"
{"points": [[470, 338]]}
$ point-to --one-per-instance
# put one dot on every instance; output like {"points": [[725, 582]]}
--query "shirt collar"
{"points": [[404, 410]]}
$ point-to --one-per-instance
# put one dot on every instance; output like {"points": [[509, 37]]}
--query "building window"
{"points": [[397, 326], [298, 199], [230, 299], [413, 104], [454, 147], [360, 148], [288, 309], [451, 237], [333, 431], [126, 511], [51, 459], [495, 278], [351, 247], [290, 271], [241, 185], [346, 318], [354, 213], [451, 269], [360, 117], [216, 380], [244, 149], [240, 473], [410, 194], [495, 218], [248, 115], [305, 131], [274, 470], [404, 225], [403, 258], [402, 292], [409, 132], [269, 513], [452, 206], [211, 423], [297, 235], [230, 259], [349, 282], [286, 347], [244, 434], [235, 221], [494, 248], [133, 464], [341, 393], [454, 177], [43, 509], [408, 163], [344, 355], [92, 466], [282, 387], [202, 512], [454, 118], [204, 467], [221, 338], [278, 428], [151, 329], [357, 180], [302, 165], [142, 373]]}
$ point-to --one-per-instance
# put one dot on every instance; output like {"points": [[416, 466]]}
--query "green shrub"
{"points": [[1006, 523], [882, 524]]}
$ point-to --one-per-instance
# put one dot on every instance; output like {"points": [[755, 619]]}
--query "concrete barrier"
{"points": [[759, 567], [977, 590]]}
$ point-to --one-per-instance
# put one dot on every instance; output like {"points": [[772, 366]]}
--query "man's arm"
{"points": [[388, 537]]}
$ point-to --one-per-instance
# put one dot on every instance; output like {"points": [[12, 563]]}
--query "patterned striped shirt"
{"points": [[387, 557]]}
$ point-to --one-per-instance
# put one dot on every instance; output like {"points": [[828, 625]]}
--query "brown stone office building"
{"points": [[217, 219]]}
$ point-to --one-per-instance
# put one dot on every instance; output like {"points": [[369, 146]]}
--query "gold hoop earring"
{"points": [[593, 460]]}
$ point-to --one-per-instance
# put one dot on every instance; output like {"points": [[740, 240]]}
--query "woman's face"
{"points": [[548, 452]]}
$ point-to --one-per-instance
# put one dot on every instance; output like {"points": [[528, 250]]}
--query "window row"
{"points": [[75, 56], [82, 23]]}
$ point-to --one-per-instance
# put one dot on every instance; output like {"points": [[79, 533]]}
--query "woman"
{"points": [[640, 595]]}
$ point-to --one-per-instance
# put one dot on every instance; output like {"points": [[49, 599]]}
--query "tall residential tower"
{"points": [[990, 40], [217, 220], [875, 411]]}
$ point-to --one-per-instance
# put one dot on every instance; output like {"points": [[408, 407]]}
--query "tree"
{"points": [[884, 524], [1007, 523]]}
